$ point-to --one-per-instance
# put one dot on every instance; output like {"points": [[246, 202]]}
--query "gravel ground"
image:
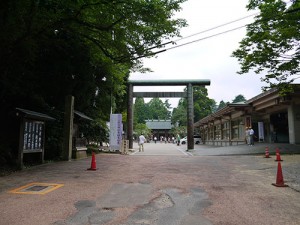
{"points": [[174, 188]]}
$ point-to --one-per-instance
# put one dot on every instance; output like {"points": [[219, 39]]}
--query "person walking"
{"points": [[155, 139], [142, 140], [178, 139]]}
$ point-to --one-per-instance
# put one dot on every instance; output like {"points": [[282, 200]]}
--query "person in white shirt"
{"points": [[251, 134], [142, 140]]}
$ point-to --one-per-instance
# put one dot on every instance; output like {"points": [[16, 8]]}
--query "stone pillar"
{"points": [[68, 127], [190, 117], [130, 116]]}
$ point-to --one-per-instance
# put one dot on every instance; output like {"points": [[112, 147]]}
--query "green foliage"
{"points": [[157, 109], [179, 114], [140, 113], [54, 137], [222, 104], [181, 130], [94, 131], [154, 109], [203, 106], [239, 98], [50, 49], [91, 149], [142, 128], [271, 44]]}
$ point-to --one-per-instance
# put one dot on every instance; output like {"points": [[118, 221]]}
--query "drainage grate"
{"points": [[36, 188]]}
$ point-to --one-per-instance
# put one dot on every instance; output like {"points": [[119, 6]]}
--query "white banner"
{"points": [[261, 136], [115, 134]]}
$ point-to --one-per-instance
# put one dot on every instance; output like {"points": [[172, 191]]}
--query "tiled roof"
{"points": [[159, 124], [34, 115]]}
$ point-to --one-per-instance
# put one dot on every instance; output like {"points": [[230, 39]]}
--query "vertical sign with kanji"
{"points": [[116, 128], [261, 136]]}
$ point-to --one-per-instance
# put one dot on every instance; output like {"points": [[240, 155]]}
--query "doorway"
{"points": [[279, 127]]}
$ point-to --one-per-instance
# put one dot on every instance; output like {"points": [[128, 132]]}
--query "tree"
{"points": [[157, 109], [272, 43], [222, 104], [154, 109], [140, 111], [203, 106], [181, 131], [49, 49], [54, 38], [142, 129], [239, 98], [167, 104], [179, 114]]}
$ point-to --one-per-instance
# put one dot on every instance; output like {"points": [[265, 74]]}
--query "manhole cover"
{"points": [[36, 188]]}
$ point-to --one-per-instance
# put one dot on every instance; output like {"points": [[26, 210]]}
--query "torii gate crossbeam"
{"points": [[190, 108]]}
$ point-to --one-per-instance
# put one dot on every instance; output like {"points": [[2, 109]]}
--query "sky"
{"points": [[209, 58]]}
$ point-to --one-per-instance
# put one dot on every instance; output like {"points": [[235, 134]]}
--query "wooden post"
{"points": [[20, 164], [68, 127], [43, 142]]}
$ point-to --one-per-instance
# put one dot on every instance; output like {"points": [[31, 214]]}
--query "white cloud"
{"points": [[209, 58]]}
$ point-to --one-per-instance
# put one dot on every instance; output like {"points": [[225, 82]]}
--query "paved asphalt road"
{"points": [[164, 185]]}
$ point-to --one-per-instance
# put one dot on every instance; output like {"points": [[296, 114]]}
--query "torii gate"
{"points": [[190, 106]]}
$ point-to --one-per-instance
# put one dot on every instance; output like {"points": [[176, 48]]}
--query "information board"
{"points": [[261, 135], [33, 136], [116, 129]]}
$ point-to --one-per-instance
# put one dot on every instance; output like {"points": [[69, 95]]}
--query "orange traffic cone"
{"points": [[93, 163], [278, 155], [267, 154], [279, 178]]}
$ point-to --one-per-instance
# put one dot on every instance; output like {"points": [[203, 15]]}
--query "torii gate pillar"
{"points": [[130, 116], [190, 117]]}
